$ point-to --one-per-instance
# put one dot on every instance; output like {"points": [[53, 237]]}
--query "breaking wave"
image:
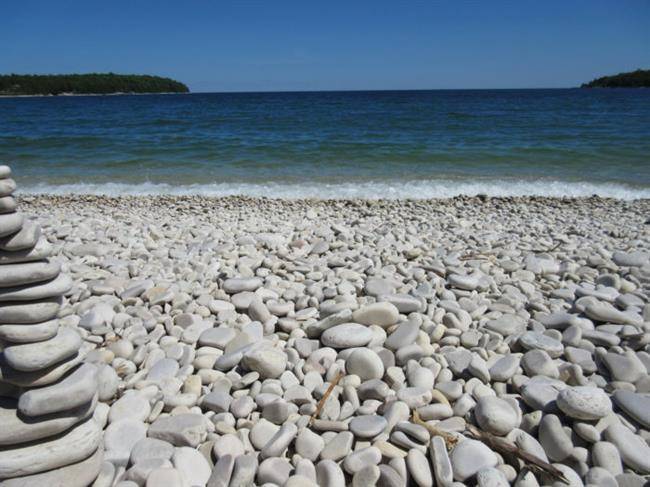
{"points": [[408, 189]]}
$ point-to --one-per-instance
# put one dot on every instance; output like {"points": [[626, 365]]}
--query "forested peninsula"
{"points": [[634, 79], [87, 84]]}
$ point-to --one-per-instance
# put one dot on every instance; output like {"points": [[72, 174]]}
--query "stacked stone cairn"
{"points": [[48, 435]]}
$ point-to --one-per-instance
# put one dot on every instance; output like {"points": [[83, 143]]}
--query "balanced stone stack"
{"points": [[48, 435]]}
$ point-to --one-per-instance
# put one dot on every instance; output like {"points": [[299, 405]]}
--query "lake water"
{"points": [[393, 144]]}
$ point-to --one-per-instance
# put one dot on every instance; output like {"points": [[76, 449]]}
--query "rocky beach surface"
{"points": [[240, 341]]}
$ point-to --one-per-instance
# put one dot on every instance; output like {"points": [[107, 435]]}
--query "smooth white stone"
{"points": [[365, 363], [280, 441], [268, 362], [74, 446], [42, 250], [18, 312], [582, 402], [119, 439], [7, 204], [361, 458], [180, 430], [192, 465], [7, 186], [381, 314], [132, 405], [495, 415], [30, 357], [38, 378], [18, 429], [56, 287], [418, 468], [148, 448], [228, 445], [346, 335], [29, 333], [635, 404], [76, 389], [309, 444], [634, 451], [10, 223], [80, 474], [470, 456], [241, 284], [25, 239]]}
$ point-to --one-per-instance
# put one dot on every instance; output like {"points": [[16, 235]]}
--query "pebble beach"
{"points": [[248, 341]]}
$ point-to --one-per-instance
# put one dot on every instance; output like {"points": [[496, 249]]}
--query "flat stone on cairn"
{"points": [[48, 429]]}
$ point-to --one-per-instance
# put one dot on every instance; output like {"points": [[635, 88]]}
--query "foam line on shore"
{"points": [[421, 189]]}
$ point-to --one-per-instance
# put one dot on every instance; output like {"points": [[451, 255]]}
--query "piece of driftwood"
{"points": [[533, 463], [552, 249], [474, 257], [329, 390], [450, 440]]}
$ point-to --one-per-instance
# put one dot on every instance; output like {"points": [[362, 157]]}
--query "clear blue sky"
{"points": [[306, 45]]}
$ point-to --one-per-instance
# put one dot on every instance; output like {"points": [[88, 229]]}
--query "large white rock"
{"points": [[56, 287], [180, 429], [133, 405], [42, 250], [7, 186], [268, 362], [10, 223], [28, 272], [634, 451], [76, 389], [584, 402], [29, 333], [346, 335], [30, 357], [470, 456], [38, 378], [80, 474], [120, 437], [495, 415], [365, 363], [25, 239], [192, 465], [74, 446], [381, 314], [18, 429], [27, 312]]}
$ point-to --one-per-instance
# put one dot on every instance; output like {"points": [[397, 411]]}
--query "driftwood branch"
{"points": [[474, 257], [450, 440], [533, 463], [323, 399], [552, 249]]}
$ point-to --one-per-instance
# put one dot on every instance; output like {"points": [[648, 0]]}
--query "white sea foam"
{"points": [[420, 189]]}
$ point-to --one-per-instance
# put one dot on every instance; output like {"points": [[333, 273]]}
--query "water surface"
{"points": [[334, 144]]}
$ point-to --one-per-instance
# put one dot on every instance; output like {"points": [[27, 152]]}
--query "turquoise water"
{"points": [[334, 144]]}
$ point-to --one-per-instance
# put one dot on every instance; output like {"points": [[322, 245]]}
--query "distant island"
{"points": [[634, 79], [86, 84]]}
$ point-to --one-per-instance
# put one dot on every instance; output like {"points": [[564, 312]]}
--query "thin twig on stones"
{"points": [[450, 440], [323, 399], [532, 462]]}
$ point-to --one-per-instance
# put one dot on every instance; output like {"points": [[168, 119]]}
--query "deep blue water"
{"points": [[370, 144]]}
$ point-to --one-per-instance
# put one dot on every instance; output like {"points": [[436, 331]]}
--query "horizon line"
{"points": [[352, 90]]}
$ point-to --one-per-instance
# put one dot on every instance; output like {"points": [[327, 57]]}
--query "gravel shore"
{"points": [[244, 341]]}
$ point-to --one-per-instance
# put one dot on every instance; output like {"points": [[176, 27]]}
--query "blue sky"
{"points": [[304, 45]]}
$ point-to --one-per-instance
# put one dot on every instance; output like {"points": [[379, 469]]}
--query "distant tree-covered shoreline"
{"points": [[634, 79], [86, 84]]}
